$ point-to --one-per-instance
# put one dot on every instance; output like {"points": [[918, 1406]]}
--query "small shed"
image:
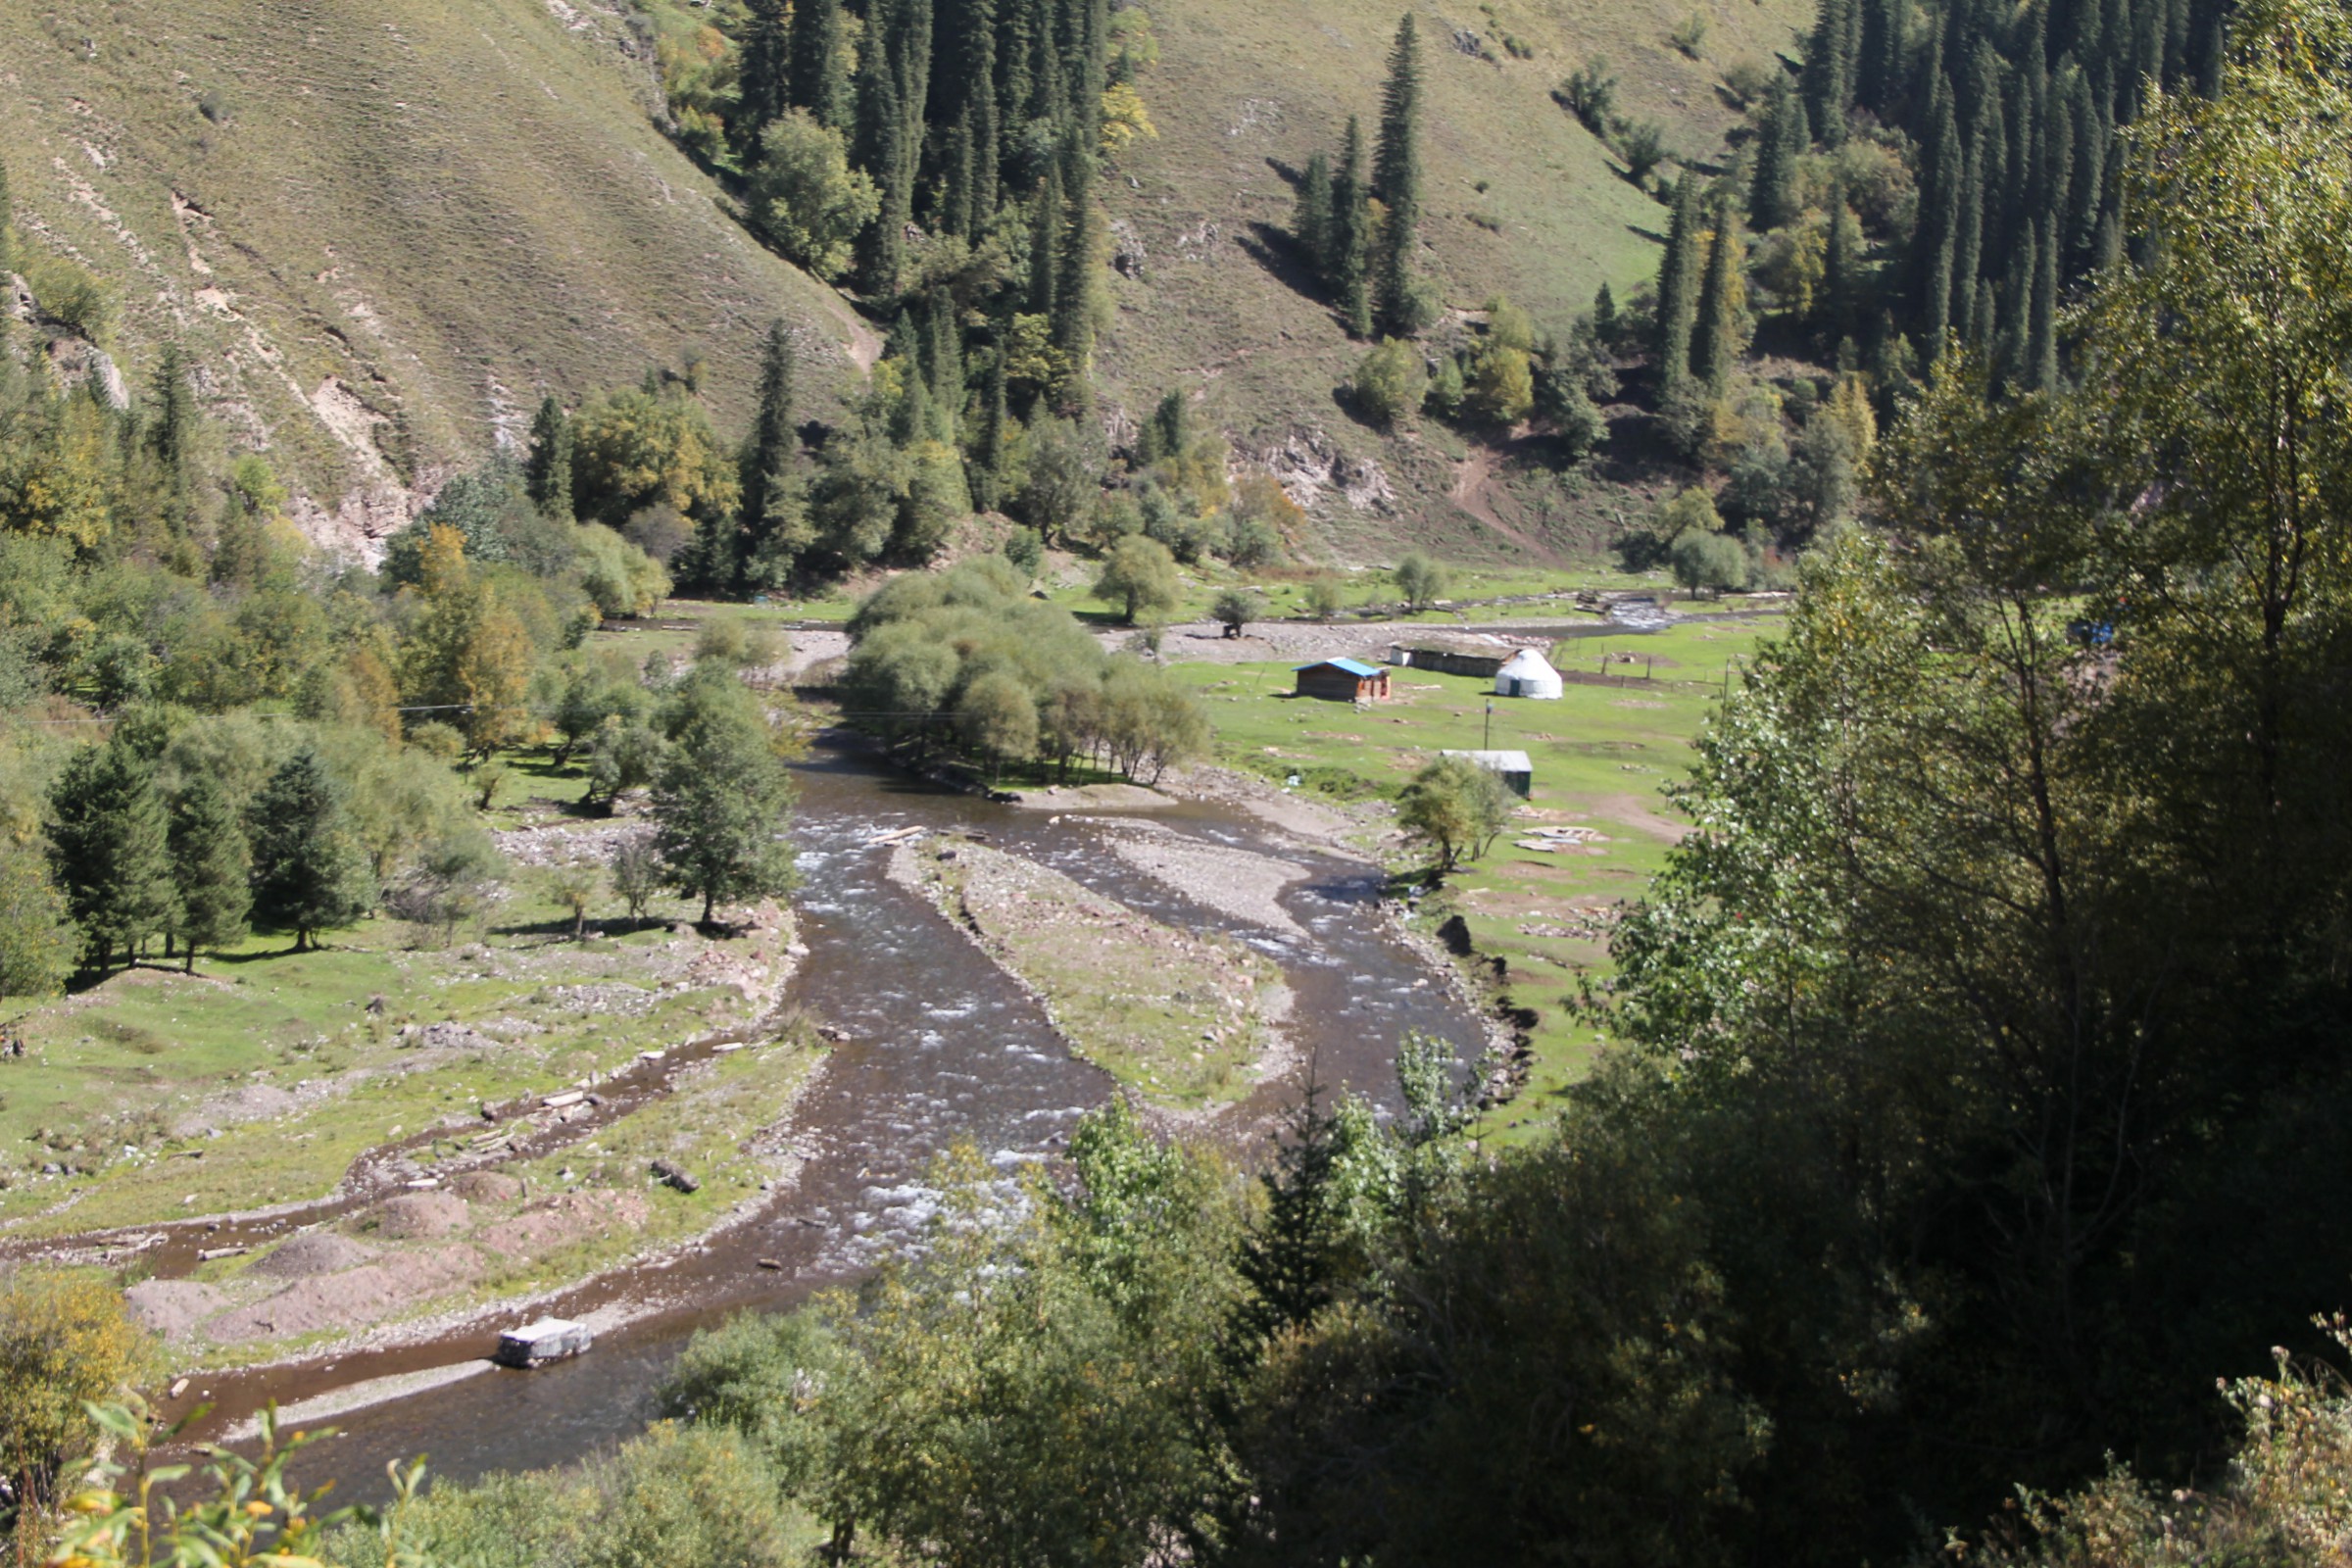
{"points": [[1343, 680], [1517, 774], [1527, 674]]}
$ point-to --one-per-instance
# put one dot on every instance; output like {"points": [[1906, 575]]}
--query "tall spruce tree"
{"points": [[1678, 286], [171, 418], [1830, 66], [763, 72], [1841, 281], [1352, 235], [987, 447], [110, 851], [881, 150], [1775, 198], [1968, 245], [212, 863], [1045, 223], [1397, 176], [1310, 225], [547, 468], [1718, 336], [1938, 232], [309, 871], [771, 527], [2041, 334], [821, 79], [1074, 293]]}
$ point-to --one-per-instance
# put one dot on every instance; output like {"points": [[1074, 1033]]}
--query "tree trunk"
{"points": [[710, 898]]}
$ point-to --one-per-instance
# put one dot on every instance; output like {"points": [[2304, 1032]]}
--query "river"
{"points": [[937, 1047]]}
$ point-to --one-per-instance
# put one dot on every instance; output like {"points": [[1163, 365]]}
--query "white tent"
{"points": [[1527, 673]]}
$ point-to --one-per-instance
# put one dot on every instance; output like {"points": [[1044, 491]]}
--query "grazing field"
{"points": [[1602, 755]]}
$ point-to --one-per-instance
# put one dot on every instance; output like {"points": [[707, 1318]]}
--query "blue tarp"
{"points": [[1354, 666]]}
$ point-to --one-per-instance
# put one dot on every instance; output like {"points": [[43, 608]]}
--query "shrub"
{"points": [[1025, 548], [1589, 94], [1140, 576], [1389, 382], [1325, 597], [1690, 35], [71, 296], [1643, 146], [1236, 607], [1502, 388]]}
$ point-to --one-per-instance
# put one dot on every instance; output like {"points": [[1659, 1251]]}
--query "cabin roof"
{"points": [[1354, 666]]}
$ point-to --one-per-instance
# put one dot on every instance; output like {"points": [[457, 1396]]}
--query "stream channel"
{"points": [[936, 1047]]}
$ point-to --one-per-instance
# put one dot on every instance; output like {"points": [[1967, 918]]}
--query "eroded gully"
{"points": [[937, 1047]]}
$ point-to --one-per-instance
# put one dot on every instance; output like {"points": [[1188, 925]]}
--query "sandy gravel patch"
{"points": [[349, 1298], [1233, 882], [311, 1254], [171, 1309]]}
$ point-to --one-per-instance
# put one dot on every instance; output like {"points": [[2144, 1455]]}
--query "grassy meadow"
{"points": [[1601, 756]]}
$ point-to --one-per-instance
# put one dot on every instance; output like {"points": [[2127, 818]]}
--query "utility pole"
{"points": [[1487, 743]]}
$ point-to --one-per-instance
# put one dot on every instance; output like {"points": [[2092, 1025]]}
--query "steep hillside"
{"points": [[1521, 199], [384, 231]]}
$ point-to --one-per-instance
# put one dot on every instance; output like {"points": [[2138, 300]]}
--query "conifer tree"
{"points": [[547, 471], [1074, 293], [771, 527], [1311, 225], [1829, 64], [172, 421], [943, 363], [1939, 223], [1044, 245], [1397, 175], [1840, 288], [1774, 198], [763, 72], [110, 851], [211, 865], [1968, 244], [2042, 339], [1351, 236], [881, 142], [1718, 337], [819, 82], [986, 140], [310, 872], [1678, 286], [1604, 315], [988, 451]]}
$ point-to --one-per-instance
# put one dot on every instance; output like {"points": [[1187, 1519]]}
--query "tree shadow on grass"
{"points": [[1277, 252]]}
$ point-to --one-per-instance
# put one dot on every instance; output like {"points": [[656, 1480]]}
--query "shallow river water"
{"points": [[936, 1048]]}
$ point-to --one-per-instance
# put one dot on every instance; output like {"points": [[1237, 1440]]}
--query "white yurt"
{"points": [[1527, 673]]}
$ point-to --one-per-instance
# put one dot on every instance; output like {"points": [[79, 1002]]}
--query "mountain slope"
{"points": [[384, 231], [1211, 298]]}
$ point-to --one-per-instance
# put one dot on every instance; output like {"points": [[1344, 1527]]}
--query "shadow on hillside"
{"points": [[1274, 250], [1290, 175]]}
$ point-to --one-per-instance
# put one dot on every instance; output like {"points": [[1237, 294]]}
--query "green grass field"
{"points": [[1601, 756], [259, 1078]]}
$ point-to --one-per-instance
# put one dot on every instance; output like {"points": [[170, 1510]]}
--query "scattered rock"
{"points": [[568, 1217]]}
